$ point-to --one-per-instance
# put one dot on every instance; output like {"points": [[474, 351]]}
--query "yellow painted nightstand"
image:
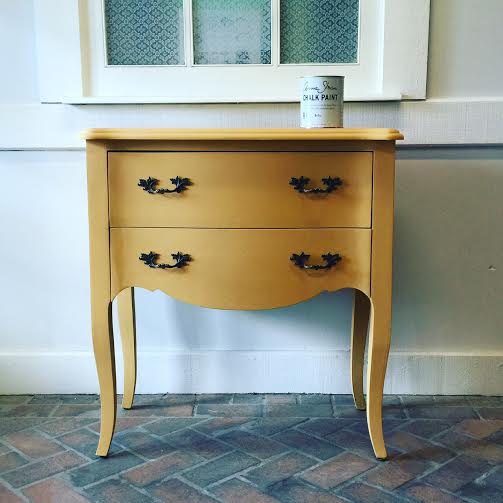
{"points": [[241, 219]]}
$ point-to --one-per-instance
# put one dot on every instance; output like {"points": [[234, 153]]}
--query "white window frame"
{"points": [[73, 69]]}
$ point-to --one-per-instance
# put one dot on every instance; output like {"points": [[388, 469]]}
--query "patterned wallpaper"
{"points": [[146, 32], [151, 32], [319, 31], [232, 31]]}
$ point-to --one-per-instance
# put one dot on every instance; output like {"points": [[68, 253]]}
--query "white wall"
{"points": [[17, 52], [448, 282], [465, 49]]}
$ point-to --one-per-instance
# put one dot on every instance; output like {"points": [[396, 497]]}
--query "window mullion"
{"points": [[275, 33], [189, 38]]}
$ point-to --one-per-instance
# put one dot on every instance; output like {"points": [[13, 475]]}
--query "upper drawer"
{"points": [[240, 189]]}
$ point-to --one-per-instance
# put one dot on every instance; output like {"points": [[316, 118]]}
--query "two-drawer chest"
{"points": [[241, 219]]}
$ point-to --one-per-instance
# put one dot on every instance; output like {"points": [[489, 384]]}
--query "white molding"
{"points": [[405, 43], [163, 100], [467, 99], [253, 371], [35, 126], [73, 69]]}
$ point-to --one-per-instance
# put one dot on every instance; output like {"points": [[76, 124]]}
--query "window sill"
{"points": [[161, 100]]}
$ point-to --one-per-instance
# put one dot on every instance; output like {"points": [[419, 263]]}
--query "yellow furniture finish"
{"points": [[230, 189], [237, 205]]}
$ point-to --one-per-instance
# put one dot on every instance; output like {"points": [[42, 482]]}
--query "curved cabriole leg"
{"points": [[360, 325], [105, 364], [379, 344], [101, 305], [125, 305], [380, 289]]}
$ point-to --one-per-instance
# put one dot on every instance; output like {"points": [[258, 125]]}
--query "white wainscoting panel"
{"points": [[448, 286], [436, 122]]}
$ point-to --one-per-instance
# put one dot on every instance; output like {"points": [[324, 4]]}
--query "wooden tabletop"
{"points": [[243, 134]]}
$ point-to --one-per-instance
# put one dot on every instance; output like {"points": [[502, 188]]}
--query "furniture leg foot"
{"points": [[105, 364], [361, 314], [127, 323], [377, 362]]}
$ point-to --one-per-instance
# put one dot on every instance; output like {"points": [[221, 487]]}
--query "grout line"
{"points": [[16, 490], [404, 407], [476, 410], [247, 427], [17, 451]]}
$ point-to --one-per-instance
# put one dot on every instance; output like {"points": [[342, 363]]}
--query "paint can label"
{"points": [[321, 102]]}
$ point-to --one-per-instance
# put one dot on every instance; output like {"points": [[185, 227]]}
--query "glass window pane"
{"points": [[319, 31], [232, 32], [149, 32]]}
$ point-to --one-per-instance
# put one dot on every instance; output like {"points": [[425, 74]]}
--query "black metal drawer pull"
{"points": [[300, 260], [300, 185], [181, 260], [150, 185]]}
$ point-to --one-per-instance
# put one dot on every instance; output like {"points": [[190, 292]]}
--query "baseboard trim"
{"points": [[253, 371]]}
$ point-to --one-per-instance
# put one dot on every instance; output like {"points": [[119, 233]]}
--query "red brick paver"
{"points": [[53, 491], [157, 470], [428, 494], [294, 490], [255, 449], [279, 469], [396, 472], [419, 448], [362, 493], [480, 428], [175, 491], [33, 444], [10, 461], [7, 496], [237, 491], [42, 469], [335, 472]]}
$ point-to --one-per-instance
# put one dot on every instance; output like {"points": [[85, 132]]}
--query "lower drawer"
{"points": [[240, 269]]}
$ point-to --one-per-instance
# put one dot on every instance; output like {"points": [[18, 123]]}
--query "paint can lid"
{"points": [[322, 76]]}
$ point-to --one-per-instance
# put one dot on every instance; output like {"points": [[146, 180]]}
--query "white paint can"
{"points": [[321, 101]]}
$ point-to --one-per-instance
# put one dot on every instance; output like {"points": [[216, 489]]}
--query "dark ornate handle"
{"points": [[300, 185], [150, 185], [300, 260], [181, 260]]}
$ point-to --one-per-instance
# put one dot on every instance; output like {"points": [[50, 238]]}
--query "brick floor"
{"points": [[7, 496], [251, 448], [51, 490]]}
